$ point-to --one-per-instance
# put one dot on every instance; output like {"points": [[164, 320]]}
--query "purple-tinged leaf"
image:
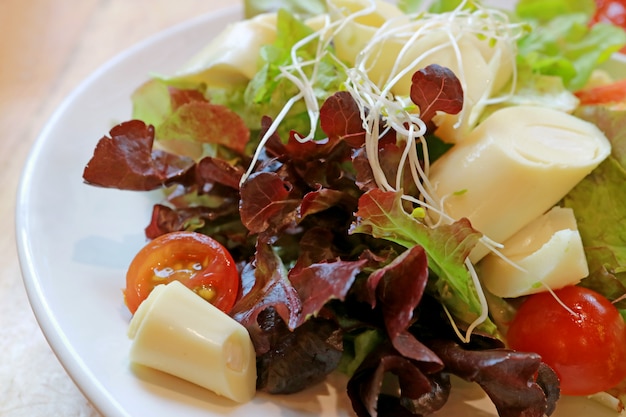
{"points": [[316, 245], [271, 288], [180, 97], [196, 123], [298, 358], [340, 118], [408, 346], [436, 88], [126, 160], [420, 393], [364, 174], [398, 288], [321, 282], [213, 170], [266, 202], [390, 157], [518, 383], [319, 200], [165, 219]]}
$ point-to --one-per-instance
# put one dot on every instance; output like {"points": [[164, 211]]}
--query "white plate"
{"points": [[75, 242]]}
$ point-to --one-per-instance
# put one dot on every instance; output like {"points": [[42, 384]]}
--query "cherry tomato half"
{"points": [[585, 344], [195, 259]]}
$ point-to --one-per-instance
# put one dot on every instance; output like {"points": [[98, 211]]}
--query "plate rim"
{"points": [[97, 395], [83, 377]]}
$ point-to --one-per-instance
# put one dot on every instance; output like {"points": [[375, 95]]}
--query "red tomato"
{"points": [[605, 94], [587, 349], [195, 259], [611, 11]]}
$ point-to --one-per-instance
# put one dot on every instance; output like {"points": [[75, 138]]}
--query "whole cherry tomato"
{"points": [[583, 339], [195, 259], [611, 11]]}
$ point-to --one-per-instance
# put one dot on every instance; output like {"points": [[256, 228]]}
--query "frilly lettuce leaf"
{"points": [[546, 10], [265, 95], [303, 9], [269, 90], [561, 41], [598, 202], [381, 214]]}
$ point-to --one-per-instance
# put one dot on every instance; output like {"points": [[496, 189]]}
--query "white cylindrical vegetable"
{"points": [[547, 253], [176, 331], [233, 56], [513, 167], [389, 47]]}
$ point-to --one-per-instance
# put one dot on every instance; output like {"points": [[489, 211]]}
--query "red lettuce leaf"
{"points": [[408, 346], [271, 288], [155, 100], [213, 170], [299, 358], [199, 122], [294, 151], [321, 282], [519, 384], [436, 88], [266, 203], [313, 163], [316, 245], [180, 96], [389, 157], [420, 393], [364, 174], [340, 118], [320, 200], [166, 219], [126, 160], [399, 287]]}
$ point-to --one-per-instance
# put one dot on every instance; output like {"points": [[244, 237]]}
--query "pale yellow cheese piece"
{"points": [[176, 331], [513, 167], [546, 253]]}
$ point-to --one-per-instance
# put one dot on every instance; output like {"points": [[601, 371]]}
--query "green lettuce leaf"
{"points": [[303, 9], [546, 10], [264, 95], [599, 203], [561, 41], [535, 89], [382, 215], [269, 90]]}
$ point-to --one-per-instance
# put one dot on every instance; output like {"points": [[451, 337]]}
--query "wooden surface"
{"points": [[47, 48]]}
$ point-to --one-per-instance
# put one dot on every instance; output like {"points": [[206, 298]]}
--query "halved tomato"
{"points": [[196, 260]]}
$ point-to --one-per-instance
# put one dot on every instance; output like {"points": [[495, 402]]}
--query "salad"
{"points": [[313, 145]]}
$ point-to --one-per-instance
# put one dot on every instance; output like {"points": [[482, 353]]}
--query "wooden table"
{"points": [[47, 48]]}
